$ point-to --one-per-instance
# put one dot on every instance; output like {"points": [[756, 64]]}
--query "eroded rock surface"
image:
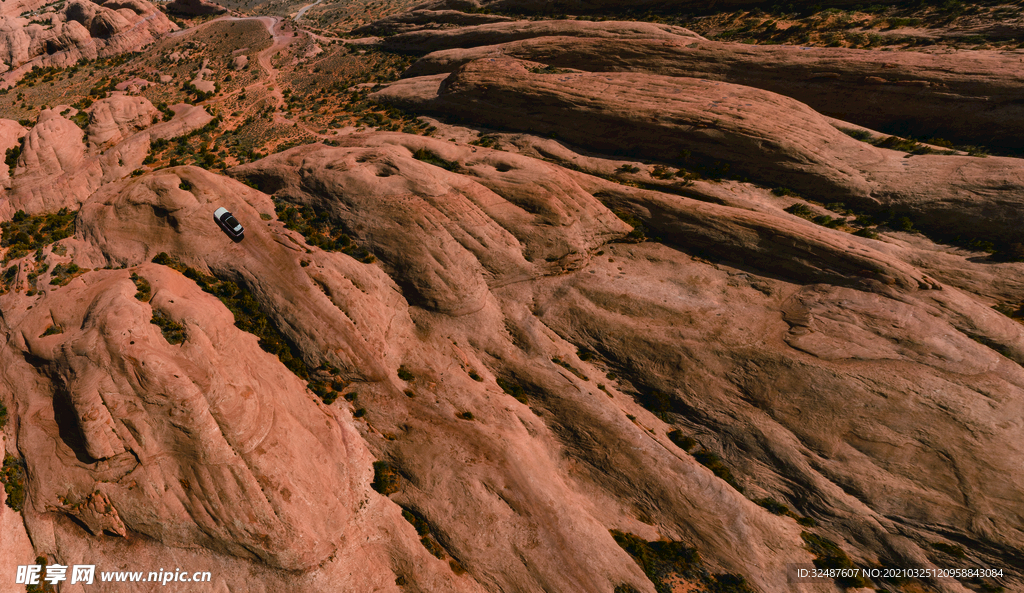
{"points": [[80, 29], [770, 138]]}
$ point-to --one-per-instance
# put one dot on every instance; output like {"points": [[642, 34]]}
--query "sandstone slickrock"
{"points": [[429, 40], [514, 352], [82, 30], [416, 19], [965, 96], [56, 168], [490, 266], [768, 137], [119, 116], [195, 7]]}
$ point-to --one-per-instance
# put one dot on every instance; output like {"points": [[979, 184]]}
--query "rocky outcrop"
{"points": [[195, 7], [764, 136], [57, 169], [492, 265], [966, 96], [429, 40], [418, 19], [80, 30], [119, 116]]}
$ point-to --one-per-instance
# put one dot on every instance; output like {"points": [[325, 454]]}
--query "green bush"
{"points": [[714, 463], [65, 273], [433, 158], [405, 374], [639, 233], [828, 555], [386, 478], [144, 291], [12, 474], [801, 210], [24, 234], [3, 416], [423, 529], [173, 331], [514, 389], [665, 561], [52, 330], [320, 230], [682, 441]]}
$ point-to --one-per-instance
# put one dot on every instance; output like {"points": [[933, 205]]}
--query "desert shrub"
{"points": [[664, 561], [143, 289], [639, 233], [3, 416], [951, 549], [52, 330], [405, 374], [320, 230], [485, 141], [569, 368], [828, 555], [714, 463], [386, 478], [173, 331], [423, 530], [662, 172], [801, 210], [514, 389], [433, 158], [64, 273], [11, 158], [902, 144], [12, 474], [682, 441], [24, 234]]}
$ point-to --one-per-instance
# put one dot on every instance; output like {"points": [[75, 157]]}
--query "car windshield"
{"points": [[230, 222]]}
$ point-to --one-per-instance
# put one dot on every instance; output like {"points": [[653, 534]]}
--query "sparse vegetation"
{"points": [[405, 374], [639, 233], [514, 389], [684, 442], [714, 463], [386, 478], [24, 234], [144, 291], [52, 330], [320, 230], [13, 477], [565, 365], [64, 273], [777, 508], [951, 549], [423, 529], [173, 331], [828, 555], [665, 561], [433, 158], [249, 316]]}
